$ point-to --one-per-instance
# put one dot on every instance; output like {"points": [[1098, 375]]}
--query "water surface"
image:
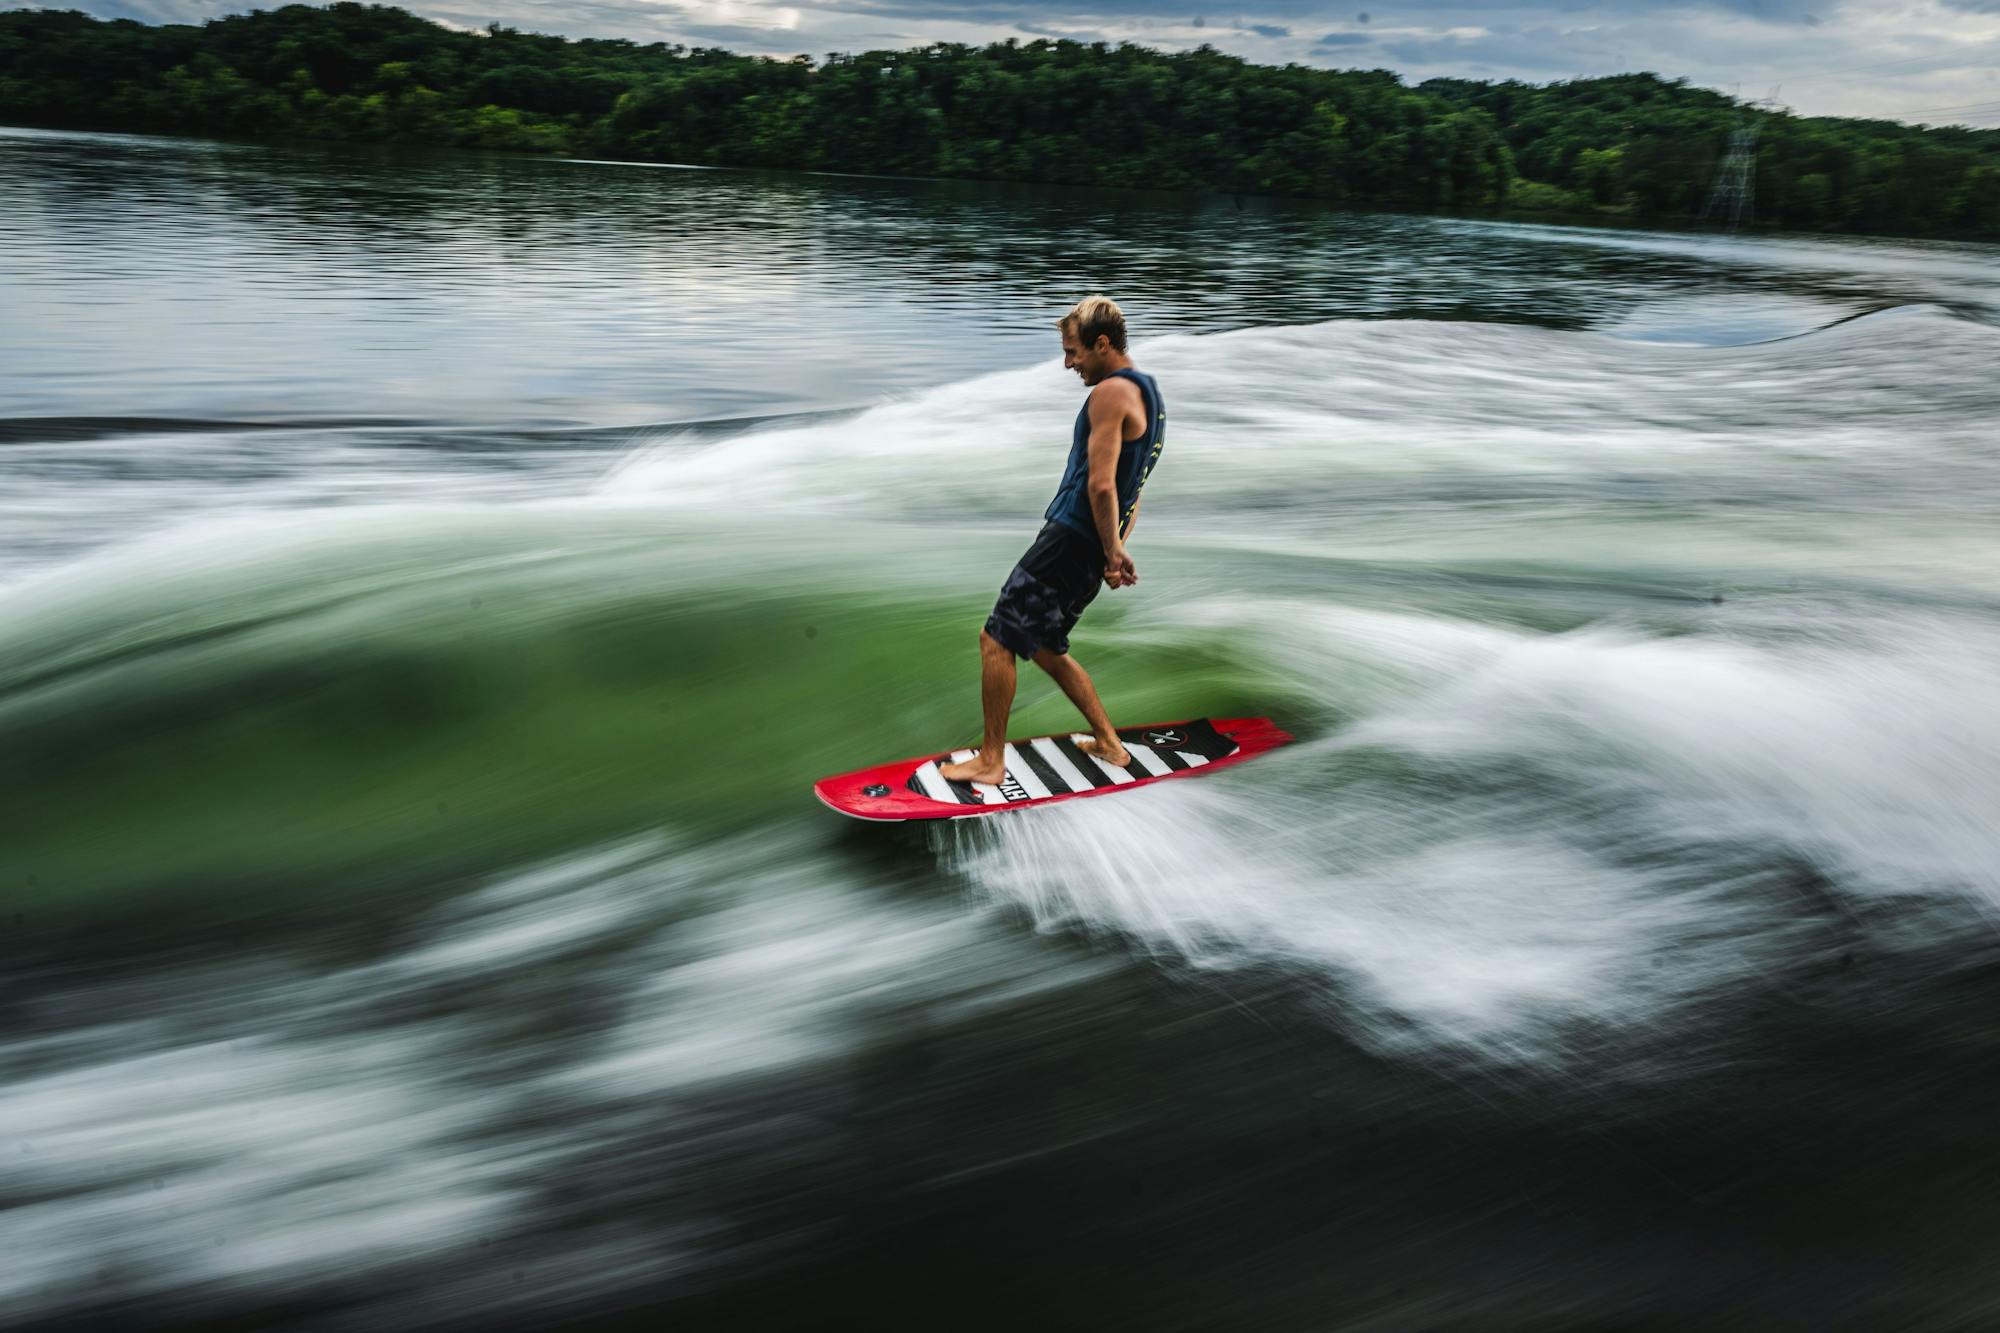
{"points": [[430, 583]]}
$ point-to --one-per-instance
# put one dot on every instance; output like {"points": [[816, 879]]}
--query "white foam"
{"points": [[1416, 432], [278, 1125], [789, 973], [1526, 837]]}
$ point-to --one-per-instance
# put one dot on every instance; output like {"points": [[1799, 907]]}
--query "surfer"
{"points": [[1119, 434]]}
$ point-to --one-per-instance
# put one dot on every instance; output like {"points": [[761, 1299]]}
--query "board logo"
{"points": [[1166, 738], [875, 789], [1011, 789]]}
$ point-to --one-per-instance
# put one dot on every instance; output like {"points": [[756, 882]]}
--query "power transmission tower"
{"points": [[1734, 194]]}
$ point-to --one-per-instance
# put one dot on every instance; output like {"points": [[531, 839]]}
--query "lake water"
{"points": [[430, 583]]}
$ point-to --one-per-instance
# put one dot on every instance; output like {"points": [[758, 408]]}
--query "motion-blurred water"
{"points": [[429, 585]]}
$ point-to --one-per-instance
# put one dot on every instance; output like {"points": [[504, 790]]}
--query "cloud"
{"points": [[1413, 14], [149, 11], [1905, 59], [727, 36], [1538, 53], [1061, 34]]}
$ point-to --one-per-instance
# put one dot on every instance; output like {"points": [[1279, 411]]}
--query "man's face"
{"points": [[1085, 361]]}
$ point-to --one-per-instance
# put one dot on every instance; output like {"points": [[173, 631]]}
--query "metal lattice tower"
{"points": [[1734, 195]]}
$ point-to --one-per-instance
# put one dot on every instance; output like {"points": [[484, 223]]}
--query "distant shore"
{"points": [[1627, 148]]}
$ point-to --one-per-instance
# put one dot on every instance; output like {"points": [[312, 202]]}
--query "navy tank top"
{"points": [[1071, 507]]}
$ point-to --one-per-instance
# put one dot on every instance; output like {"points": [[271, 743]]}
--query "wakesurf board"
{"points": [[1046, 769]]}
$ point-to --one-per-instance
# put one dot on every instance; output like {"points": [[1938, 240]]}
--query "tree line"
{"points": [[1059, 112]]}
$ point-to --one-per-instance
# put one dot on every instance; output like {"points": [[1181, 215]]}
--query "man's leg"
{"points": [[1075, 682], [996, 695]]}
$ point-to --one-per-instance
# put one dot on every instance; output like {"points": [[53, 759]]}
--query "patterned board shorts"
{"points": [[1047, 591]]}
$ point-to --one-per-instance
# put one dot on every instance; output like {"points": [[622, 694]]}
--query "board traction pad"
{"points": [[1044, 769], [1060, 768]]}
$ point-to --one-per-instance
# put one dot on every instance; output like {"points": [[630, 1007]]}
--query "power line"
{"points": [[1890, 64], [1956, 106]]}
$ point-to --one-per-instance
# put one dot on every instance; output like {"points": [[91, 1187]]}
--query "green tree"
{"points": [[1059, 111]]}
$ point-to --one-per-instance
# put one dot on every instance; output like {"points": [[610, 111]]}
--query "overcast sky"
{"points": [[1934, 61]]}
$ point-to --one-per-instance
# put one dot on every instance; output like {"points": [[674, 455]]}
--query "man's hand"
{"points": [[1119, 571]]}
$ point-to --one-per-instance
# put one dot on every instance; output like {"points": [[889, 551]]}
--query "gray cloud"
{"points": [[146, 11], [1538, 52], [1061, 34], [1409, 13], [1832, 57]]}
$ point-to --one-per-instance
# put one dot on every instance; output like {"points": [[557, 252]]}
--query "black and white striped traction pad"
{"points": [[1055, 766]]}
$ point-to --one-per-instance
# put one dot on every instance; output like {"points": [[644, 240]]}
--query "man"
{"points": [[1119, 434]]}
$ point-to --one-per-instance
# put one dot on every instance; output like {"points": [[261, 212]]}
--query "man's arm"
{"points": [[1110, 403]]}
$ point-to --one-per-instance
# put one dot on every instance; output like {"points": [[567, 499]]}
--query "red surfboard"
{"points": [[1046, 769]]}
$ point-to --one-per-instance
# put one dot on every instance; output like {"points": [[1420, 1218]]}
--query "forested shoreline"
{"points": [[1059, 112]]}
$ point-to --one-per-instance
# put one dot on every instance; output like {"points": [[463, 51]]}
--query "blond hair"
{"points": [[1094, 317]]}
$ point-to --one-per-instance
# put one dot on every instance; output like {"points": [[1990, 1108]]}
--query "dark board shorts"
{"points": [[1048, 590]]}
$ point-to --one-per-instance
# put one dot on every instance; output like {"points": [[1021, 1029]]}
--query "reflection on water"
{"points": [[176, 278]]}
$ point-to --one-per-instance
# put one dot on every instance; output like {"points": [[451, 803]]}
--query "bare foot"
{"points": [[975, 769], [1121, 757]]}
